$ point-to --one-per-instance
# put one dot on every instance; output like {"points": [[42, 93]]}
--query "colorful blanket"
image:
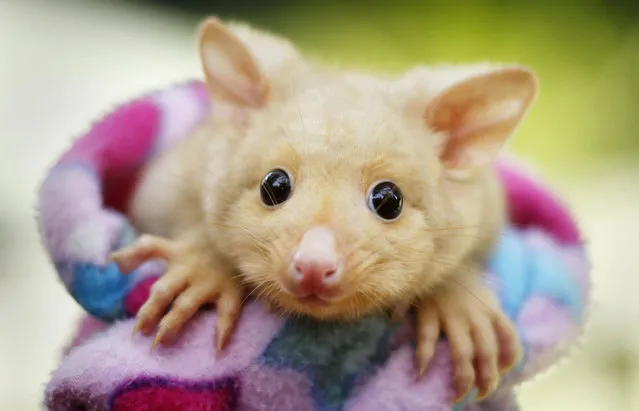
{"points": [[539, 271]]}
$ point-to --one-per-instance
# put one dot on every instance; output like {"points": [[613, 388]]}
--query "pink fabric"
{"points": [[127, 145], [170, 375], [83, 204], [160, 395], [531, 204], [192, 357], [138, 296]]}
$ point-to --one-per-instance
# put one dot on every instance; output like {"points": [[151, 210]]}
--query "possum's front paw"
{"points": [[192, 279], [482, 339]]}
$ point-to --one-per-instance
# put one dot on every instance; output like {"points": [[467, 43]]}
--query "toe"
{"points": [[486, 355], [508, 342], [146, 319], [464, 379], [462, 353], [228, 309], [163, 291], [144, 249], [126, 259], [427, 330], [182, 310], [154, 247]]}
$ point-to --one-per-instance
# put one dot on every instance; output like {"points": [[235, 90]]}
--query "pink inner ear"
{"points": [[231, 71], [479, 114], [463, 115], [447, 119], [476, 131]]}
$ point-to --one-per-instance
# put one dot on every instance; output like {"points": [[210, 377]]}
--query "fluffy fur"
{"points": [[337, 133], [539, 272]]}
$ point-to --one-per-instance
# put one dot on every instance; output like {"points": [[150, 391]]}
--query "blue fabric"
{"points": [[342, 353], [100, 289], [524, 270]]}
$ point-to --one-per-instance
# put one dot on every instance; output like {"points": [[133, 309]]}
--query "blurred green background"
{"points": [[586, 53], [63, 63]]}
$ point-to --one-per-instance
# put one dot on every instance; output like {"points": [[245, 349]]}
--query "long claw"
{"points": [[228, 309], [491, 388], [428, 329], [511, 352], [156, 342], [186, 286], [223, 329], [220, 340], [424, 356], [136, 329]]}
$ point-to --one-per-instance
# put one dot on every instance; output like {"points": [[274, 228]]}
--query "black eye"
{"points": [[386, 200], [276, 187]]}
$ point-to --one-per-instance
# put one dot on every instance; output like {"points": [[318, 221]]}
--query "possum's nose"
{"points": [[316, 266]]}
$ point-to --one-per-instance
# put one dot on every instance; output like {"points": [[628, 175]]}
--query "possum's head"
{"points": [[337, 200]]}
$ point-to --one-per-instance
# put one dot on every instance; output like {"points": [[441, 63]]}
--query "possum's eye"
{"points": [[276, 187], [385, 199]]}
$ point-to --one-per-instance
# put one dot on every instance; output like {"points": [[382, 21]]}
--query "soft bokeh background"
{"points": [[64, 62]]}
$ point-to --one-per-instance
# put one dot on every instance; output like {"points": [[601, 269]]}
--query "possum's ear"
{"points": [[477, 115], [231, 72]]}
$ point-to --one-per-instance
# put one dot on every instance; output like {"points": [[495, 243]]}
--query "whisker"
{"points": [[371, 238], [254, 289], [266, 291], [299, 112], [366, 259], [469, 292], [452, 228], [375, 297], [457, 266], [365, 241], [263, 244], [269, 248]]}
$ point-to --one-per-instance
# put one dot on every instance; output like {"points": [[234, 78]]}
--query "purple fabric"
{"points": [[540, 273]]}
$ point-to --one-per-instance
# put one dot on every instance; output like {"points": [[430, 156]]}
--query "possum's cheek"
{"points": [[253, 234], [409, 252], [232, 224]]}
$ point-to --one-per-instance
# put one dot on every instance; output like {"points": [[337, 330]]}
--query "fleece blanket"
{"points": [[539, 271]]}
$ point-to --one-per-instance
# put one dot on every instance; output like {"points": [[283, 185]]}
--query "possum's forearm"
{"points": [[167, 200]]}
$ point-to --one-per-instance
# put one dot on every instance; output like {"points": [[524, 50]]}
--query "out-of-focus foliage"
{"points": [[586, 54]]}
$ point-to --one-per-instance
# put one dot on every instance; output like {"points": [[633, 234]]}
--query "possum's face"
{"points": [[340, 198], [332, 209]]}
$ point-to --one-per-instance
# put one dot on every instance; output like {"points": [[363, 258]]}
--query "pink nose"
{"points": [[314, 275], [315, 264]]}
